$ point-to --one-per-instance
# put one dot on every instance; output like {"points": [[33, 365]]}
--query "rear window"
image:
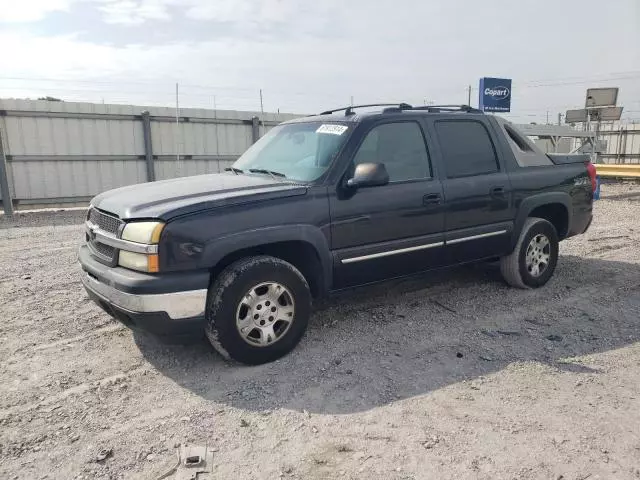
{"points": [[526, 152], [517, 140], [467, 149]]}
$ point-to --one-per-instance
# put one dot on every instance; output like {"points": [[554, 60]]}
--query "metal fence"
{"points": [[622, 143], [61, 153]]}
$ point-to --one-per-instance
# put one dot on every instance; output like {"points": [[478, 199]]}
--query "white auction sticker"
{"points": [[332, 129]]}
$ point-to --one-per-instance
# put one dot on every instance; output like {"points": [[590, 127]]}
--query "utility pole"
{"points": [[547, 117], [559, 119], [469, 95], [352, 100]]}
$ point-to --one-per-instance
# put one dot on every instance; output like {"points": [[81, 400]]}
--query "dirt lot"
{"points": [[449, 376]]}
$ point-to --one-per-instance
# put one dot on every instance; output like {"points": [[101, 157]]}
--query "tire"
{"points": [[516, 268], [242, 298]]}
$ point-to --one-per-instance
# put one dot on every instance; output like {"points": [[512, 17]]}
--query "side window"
{"points": [[467, 149], [400, 146]]}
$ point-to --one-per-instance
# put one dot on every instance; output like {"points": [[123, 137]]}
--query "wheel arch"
{"points": [[553, 207], [303, 246]]}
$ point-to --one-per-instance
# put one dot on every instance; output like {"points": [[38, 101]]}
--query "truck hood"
{"points": [[168, 199]]}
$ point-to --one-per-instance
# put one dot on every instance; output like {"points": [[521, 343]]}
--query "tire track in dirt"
{"points": [[30, 349], [75, 390]]}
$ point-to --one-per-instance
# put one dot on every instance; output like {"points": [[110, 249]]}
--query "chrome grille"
{"points": [[105, 222], [109, 224]]}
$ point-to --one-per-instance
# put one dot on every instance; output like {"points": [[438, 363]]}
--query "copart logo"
{"points": [[497, 93]]}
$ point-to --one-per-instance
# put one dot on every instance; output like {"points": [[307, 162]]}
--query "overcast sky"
{"points": [[309, 55]]}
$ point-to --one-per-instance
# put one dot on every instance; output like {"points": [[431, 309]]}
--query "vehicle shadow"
{"points": [[376, 345]]}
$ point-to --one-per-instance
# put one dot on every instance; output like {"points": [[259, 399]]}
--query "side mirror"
{"points": [[369, 175]]}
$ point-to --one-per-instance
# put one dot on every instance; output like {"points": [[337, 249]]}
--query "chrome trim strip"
{"points": [[475, 237], [113, 241], [392, 252], [178, 305], [422, 247]]}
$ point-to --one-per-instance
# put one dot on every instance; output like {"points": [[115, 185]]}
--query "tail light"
{"points": [[591, 170]]}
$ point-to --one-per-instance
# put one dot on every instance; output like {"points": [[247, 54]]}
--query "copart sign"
{"points": [[495, 94]]}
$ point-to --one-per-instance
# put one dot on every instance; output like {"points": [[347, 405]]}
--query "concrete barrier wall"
{"points": [[63, 152]]}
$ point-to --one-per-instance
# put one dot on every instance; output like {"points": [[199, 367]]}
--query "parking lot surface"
{"points": [[448, 375]]}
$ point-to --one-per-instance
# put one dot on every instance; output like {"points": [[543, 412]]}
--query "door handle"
{"points": [[432, 199], [497, 192]]}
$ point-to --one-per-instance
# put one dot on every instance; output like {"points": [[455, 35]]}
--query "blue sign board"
{"points": [[495, 94]]}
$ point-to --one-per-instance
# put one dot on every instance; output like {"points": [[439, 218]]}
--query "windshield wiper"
{"points": [[273, 173], [235, 170]]}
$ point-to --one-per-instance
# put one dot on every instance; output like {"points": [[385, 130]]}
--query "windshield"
{"points": [[299, 151]]}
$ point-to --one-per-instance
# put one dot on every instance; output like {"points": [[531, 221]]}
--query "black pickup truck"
{"points": [[328, 202]]}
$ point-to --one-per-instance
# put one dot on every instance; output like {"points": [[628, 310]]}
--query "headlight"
{"points": [[147, 233], [139, 261], [143, 232]]}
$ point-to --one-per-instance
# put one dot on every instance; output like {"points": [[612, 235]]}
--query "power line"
{"points": [[235, 97], [582, 77], [531, 84], [580, 82]]}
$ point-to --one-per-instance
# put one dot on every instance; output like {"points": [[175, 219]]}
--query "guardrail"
{"points": [[618, 170]]}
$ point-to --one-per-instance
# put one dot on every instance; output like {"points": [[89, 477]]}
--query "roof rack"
{"points": [[398, 107], [449, 108], [349, 110]]}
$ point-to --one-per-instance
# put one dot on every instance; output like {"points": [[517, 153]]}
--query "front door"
{"points": [[391, 230], [479, 216]]}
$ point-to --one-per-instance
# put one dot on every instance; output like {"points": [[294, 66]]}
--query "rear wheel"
{"points": [[257, 309], [534, 259]]}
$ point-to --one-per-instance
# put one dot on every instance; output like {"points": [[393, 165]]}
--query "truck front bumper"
{"points": [[170, 305]]}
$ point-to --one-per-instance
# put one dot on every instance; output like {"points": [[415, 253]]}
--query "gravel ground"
{"points": [[452, 375]]}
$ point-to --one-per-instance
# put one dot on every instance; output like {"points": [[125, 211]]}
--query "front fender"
{"points": [[208, 254]]}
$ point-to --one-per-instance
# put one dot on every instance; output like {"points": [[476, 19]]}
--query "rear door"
{"points": [[477, 191], [390, 230]]}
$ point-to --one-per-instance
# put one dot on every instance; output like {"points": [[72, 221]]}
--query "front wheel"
{"points": [[257, 310], [534, 259]]}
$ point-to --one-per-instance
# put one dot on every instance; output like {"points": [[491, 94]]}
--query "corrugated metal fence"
{"points": [[65, 153], [622, 143]]}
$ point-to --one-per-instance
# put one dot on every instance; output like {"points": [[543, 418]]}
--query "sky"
{"points": [[307, 56]]}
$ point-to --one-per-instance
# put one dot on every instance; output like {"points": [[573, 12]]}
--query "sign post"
{"points": [[495, 94]]}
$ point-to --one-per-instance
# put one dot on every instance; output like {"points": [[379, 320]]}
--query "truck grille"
{"points": [[106, 251], [106, 222]]}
